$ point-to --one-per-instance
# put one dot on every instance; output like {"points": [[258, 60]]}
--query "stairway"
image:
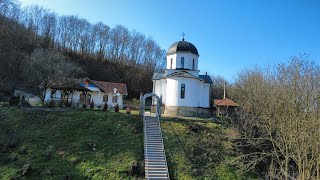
{"points": [[154, 154]]}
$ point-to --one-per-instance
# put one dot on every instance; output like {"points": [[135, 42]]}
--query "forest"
{"points": [[103, 53]]}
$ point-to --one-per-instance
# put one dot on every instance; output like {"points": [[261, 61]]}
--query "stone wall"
{"points": [[187, 111]]}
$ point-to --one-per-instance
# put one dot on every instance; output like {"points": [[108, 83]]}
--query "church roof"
{"points": [[206, 79], [157, 76], [185, 74], [182, 46]]}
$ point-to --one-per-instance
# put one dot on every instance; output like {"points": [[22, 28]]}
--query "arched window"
{"points": [[193, 64], [171, 63], [182, 91], [115, 99], [105, 98], [182, 62]]}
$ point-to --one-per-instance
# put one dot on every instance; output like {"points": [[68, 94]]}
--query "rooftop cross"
{"points": [[183, 34]]}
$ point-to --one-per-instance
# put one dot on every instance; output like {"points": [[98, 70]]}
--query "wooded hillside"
{"points": [[104, 53]]}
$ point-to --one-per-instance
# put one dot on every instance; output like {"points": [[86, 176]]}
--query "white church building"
{"points": [[182, 90]]}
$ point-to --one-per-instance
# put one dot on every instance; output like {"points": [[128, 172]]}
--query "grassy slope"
{"points": [[198, 154], [37, 138], [57, 144]]}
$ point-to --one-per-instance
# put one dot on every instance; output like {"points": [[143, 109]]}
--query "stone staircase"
{"points": [[154, 154]]}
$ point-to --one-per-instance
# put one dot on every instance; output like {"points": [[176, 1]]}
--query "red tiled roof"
{"points": [[109, 86], [225, 102]]}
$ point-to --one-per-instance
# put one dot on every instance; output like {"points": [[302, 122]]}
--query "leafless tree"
{"points": [[280, 119], [46, 67], [217, 87]]}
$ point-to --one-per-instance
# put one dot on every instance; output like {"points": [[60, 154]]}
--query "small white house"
{"points": [[182, 90], [84, 91]]}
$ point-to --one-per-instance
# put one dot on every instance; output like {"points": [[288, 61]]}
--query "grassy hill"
{"points": [[91, 144], [79, 144], [200, 149]]}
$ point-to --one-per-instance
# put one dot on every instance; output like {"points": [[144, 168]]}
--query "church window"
{"points": [[182, 62], [171, 63], [183, 91], [193, 64]]}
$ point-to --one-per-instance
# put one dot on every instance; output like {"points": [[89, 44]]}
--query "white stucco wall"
{"points": [[159, 88], [48, 93], [188, 60], [205, 100], [96, 96], [196, 93]]}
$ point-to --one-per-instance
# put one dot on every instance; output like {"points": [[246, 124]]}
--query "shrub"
{"points": [[91, 104], [50, 104], [128, 110], [14, 101], [105, 107], [24, 103], [116, 108]]}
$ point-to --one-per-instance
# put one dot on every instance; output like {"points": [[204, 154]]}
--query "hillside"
{"points": [[104, 53], [78, 144], [81, 144], [200, 149]]}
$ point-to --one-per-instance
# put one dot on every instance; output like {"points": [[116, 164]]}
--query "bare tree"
{"points": [[217, 87], [280, 119], [47, 67]]}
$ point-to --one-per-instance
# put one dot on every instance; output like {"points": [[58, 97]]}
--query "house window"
{"points": [[183, 91], [53, 94], [193, 64], [171, 63], [182, 62], [105, 98], [114, 99]]}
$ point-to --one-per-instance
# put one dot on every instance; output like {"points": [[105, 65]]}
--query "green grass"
{"points": [[59, 144], [198, 149]]}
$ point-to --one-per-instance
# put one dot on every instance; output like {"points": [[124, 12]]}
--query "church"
{"points": [[182, 90]]}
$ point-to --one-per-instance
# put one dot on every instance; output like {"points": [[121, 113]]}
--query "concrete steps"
{"points": [[154, 155]]}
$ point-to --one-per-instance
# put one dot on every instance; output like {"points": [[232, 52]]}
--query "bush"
{"points": [[50, 104], [116, 108], [14, 101], [24, 103], [105, 107], [91, 104], [128, 110], [60, 104]]}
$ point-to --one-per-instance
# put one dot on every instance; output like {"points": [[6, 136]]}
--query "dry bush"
{"points": [[279, 119]]}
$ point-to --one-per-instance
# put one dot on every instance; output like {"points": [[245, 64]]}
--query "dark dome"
{"points": [[182, 46]]}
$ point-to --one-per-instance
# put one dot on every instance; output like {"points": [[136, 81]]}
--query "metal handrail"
{"points": [[164, 152]]}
